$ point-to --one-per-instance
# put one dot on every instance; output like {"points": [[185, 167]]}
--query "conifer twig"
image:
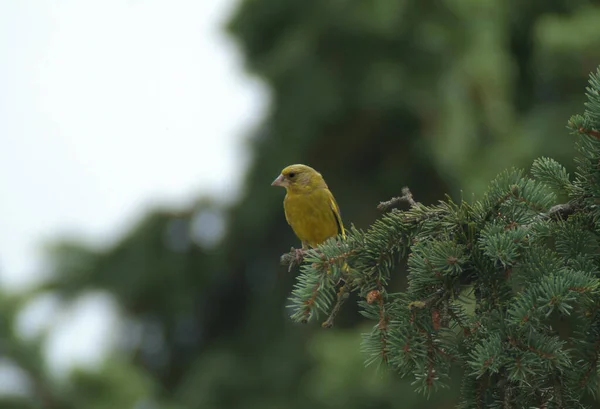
{"points": [[406, 197], [590, 132], [342, 296], [293, 258]]}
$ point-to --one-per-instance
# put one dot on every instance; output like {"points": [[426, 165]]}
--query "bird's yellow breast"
{"points": [[311, 215]]}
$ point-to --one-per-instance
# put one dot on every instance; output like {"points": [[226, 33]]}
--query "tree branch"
{"points": [[590, 132], [342, 296], [406, 197]]}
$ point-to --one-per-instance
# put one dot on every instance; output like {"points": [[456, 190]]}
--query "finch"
{"points": [[310, 208]]}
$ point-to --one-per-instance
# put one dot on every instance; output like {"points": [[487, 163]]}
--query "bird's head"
{"points": [[299, 179]]}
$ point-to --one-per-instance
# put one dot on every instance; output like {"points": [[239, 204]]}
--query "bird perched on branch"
{"points": [[309, 205]]}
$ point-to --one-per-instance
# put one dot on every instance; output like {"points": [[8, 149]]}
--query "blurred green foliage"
{"points": [[436, 95]]}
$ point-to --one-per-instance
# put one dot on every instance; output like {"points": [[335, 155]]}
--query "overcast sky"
{"points": [[83, 84]]}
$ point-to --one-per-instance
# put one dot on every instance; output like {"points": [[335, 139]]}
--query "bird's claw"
{"points": [[299, 256]]}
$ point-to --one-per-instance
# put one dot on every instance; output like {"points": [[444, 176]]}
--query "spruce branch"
{"points": [[296, 256], [313, 293]]}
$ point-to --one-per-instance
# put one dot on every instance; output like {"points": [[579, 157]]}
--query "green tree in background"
{"points": [[439, 96]]}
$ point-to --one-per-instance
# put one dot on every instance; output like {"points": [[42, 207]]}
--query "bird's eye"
{"points": [[291, 174]]}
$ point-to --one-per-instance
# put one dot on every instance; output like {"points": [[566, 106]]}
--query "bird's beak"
{"points": [[280, 181]]}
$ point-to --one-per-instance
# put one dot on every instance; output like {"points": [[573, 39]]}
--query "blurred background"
{"points": [[139, 234]]}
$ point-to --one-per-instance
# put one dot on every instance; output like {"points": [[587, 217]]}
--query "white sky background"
{"points": [[107, 108]]}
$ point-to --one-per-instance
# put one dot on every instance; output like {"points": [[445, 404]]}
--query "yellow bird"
{"points": [[310, 207]]}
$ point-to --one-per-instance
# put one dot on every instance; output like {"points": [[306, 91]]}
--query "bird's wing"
{"points": [[337, 214], [285, 210]]}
